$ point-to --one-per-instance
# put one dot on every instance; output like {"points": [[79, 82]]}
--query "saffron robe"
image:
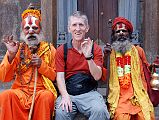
{"points": [[136, 98], [15, 103]]}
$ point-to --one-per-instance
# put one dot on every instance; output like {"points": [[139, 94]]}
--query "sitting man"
{"points": [[77, 76], [127, 98], [32, 66]]}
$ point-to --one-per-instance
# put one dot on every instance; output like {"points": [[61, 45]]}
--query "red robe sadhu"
{"points": [[15, 103]]}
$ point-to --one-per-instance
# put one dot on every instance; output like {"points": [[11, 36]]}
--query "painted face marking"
{"points": [[30, 21], [121, 28], [31, 25]]}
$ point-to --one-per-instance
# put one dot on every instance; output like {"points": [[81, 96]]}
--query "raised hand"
{"points": [[12, 46], [107, 49], [86, 47]]}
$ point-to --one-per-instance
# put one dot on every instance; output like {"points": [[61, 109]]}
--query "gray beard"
{"points": [[122, 46], [31, 43]]}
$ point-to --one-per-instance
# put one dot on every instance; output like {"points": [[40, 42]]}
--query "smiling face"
{"points": [[78, 28], [31, 29]]}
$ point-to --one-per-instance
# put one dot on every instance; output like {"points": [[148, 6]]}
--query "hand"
{"points": [[86, 47], [107, 49], [36, 60], [12, 46], [66, 103], [156, 62]]}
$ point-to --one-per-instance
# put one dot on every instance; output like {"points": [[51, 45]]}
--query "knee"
{"points": [[99, 109], [100, 112], [7, 94], [46, 97], [59, 113]]}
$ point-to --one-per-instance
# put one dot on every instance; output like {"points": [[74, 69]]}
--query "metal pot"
{"points": [[155, 81]]}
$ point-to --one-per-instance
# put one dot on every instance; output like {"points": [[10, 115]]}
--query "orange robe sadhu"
{"points": [[132, 102], [15, 103]]}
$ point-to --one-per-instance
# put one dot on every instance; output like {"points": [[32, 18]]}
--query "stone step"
{"points": [[102, 89]]}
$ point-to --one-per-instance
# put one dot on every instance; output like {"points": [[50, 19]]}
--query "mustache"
{"points": [[32, 37], [122, 38]]}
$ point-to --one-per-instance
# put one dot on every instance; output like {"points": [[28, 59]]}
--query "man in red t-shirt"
{"points": [[77, 78]]}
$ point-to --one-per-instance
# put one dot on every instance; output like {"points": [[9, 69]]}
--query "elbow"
{"points": [[98, 76]]}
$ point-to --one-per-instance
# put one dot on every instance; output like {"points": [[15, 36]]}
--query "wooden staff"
{"points": [[34, 93]]}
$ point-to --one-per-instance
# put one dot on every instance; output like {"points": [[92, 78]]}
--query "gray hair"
{"points": [[78, 14]]}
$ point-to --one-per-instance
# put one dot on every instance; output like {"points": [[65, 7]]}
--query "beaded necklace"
{"points": [[124, 69], [24, 61]]}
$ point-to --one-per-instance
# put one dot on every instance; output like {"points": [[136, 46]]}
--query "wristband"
{"points": [[90, 57]]}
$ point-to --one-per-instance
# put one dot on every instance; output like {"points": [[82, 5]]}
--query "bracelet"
{"points": [[90, 57]]}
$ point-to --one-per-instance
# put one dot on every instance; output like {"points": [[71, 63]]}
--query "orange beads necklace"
{"points": [[124, 69]]}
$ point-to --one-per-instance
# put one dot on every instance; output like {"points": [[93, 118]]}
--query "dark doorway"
{"points": [[99, 13]]}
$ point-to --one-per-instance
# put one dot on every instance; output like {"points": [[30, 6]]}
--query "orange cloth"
{"points": [[3, 69], [138, 116], [15, 103], [124, 103]]}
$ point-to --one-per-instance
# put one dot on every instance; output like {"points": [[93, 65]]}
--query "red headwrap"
{"points": [[124, 21]]}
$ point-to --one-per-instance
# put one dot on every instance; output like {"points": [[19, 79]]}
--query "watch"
{"points": [[90, 57]]}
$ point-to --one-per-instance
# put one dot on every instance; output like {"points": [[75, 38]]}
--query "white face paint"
{"points": [[121, 28], [31, 25], [30, 21], [31, 29]]}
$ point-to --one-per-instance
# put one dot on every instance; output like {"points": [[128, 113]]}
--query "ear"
{"points": [[87, 29], [22, 24], [68, 28]]}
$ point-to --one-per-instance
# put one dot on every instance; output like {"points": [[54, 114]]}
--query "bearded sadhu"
{"points": [[26, 61], [127, 98]]}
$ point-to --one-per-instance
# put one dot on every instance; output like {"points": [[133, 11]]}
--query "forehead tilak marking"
{"points": [[30, 21], [120, 25]]}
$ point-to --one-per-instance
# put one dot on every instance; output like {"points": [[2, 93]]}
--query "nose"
{"points": [[121, 32], [31, 31], [77, 27]]}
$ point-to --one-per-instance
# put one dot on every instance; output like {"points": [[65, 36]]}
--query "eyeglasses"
{"points": [[118, 31]]}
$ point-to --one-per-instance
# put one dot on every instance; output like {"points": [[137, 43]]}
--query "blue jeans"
{"points": [[91, 104]]}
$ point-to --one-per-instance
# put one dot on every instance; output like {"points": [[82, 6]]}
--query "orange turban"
{"points": [[31, 12], [124, 21]]}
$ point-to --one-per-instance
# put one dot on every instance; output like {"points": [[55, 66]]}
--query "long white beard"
{"points": [[122, 46], [35, 41]]}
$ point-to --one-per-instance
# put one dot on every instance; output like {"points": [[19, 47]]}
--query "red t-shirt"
{"points": [[76, 62]]}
